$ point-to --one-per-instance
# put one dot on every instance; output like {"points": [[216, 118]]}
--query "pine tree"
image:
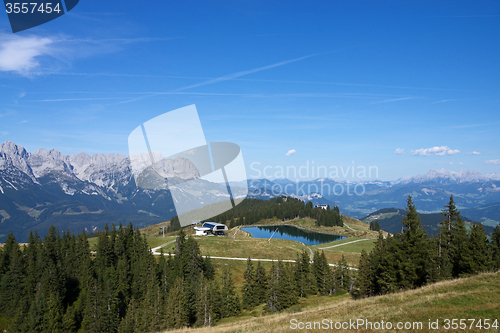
{"points": [[205, 312], [415, 246], [230, 302], [10, 282], [261, 283], [321, 272], [452, 238], [249, 297], [6, 253], [177, 314], [282, 292], [304, 280], [363, 280], [475, 255], [208, 268], [495, 247]]}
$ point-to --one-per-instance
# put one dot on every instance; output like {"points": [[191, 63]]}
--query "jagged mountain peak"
{"points": [[50, 154], [10, 148]]}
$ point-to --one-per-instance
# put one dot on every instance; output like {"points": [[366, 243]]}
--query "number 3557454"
{"points": [[32, 8]]}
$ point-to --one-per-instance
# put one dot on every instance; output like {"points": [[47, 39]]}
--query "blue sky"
{"points": [[341, 83]]}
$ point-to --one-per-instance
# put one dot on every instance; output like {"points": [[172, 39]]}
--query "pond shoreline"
{"points": [[302, 235], [293, 225]]}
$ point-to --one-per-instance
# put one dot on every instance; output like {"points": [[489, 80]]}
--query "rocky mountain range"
{"points": [[85, 192]]}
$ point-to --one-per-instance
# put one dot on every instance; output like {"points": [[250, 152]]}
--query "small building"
{"points": [[321, 206], [201, 231], [213, 228]]}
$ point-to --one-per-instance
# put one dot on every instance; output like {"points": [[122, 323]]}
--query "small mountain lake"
{"points": [[291, 233]]}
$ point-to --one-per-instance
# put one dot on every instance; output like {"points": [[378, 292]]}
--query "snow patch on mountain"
{"points": [[445, 176]]}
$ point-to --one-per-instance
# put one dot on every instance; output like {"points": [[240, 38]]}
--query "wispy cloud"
{"points": [[440, 151], [492, 162], [444, 101], [231, 76], [21, 54], [76, 99], [291, 152], [7, 113], [399, 151], [474, 153], [4, 132], [35, 55], [253, 80], [473, 125], [142, 95], [395, 100]]}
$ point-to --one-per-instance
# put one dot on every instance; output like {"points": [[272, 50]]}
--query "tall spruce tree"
{"points": [[475, 256], [230, 301], [249, 287], [495, 247], [415, 246], [452, 240], [321, 272], [261, 284]]}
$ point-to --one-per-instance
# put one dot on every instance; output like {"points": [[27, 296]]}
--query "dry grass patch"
{"points": [[475, 297], [245, 247]]}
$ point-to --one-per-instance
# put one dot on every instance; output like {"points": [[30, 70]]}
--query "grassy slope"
{"points": [[475, 297], [242, 248]]}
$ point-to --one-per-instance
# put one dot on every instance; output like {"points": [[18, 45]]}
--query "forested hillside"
{"points": [[58, 285], [411, 259]]}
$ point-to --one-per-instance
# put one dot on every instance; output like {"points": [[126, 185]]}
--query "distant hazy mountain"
{"points": [[430, 192], [449, 177]]}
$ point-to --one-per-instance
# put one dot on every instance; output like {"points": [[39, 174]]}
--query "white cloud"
{"points": [[291, 152], [461, 163], [451, 163], [35, 55], [21, 54], [440, 151], [191, 152], [492, 162], [399, 151], [474, 153]]}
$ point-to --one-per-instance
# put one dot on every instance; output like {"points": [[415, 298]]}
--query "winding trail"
{"points": [[155, 249], [359, 240], [349, 227]]}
